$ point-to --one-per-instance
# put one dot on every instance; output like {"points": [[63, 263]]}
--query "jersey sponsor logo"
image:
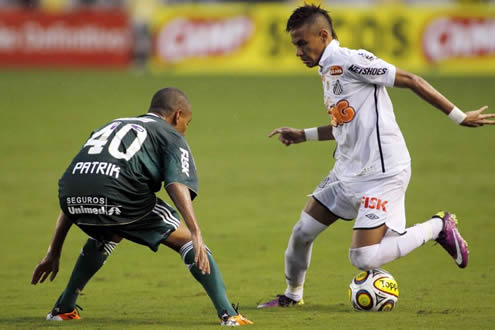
{"points": [[85, 200], [368, 71], [336, 70], [91, 205], [374, 203], [102, 168], [341, 113], [184, 159]]}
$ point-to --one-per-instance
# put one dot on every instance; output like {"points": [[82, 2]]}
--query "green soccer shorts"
{"points": [[150, 231]]}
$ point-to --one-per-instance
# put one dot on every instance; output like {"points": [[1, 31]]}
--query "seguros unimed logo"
{"points": [[184, 37], [96, 205]]}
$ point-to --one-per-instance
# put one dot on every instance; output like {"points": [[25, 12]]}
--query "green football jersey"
{"points": [[114, 177]]}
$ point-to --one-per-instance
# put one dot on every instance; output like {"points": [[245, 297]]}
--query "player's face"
{"points": [[309, 44]]}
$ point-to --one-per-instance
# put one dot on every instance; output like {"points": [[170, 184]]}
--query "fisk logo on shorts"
{"points": [[374, 203], [341, 113]]}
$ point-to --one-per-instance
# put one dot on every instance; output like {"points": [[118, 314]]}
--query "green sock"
{"points": [[212, 283], [92, 257]]}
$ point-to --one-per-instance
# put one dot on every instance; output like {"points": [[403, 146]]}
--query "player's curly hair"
{"points": [[308, 14]]}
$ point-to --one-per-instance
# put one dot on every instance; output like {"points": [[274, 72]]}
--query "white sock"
{"points": [[298, 254], [394, 246]]}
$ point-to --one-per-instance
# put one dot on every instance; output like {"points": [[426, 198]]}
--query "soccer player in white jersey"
{"points": [[372, 163]]}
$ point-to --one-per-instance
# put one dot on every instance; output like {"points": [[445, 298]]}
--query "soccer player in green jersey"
{"points": [[109, 189]]}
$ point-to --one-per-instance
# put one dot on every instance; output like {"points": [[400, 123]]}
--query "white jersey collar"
{"points": [[329, 50], [152, 114]]}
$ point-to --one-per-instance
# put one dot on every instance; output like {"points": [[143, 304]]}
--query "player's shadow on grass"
{"points": [[334, 308], [35, 322]]}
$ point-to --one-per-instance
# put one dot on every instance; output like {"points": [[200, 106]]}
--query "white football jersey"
{"points": [[369, 141]]}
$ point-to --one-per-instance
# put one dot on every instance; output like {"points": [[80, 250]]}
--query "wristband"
{"points": [[311, 134], [457, 115]]}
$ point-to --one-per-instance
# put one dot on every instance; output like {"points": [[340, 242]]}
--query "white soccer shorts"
{"points": [[372, 202]]}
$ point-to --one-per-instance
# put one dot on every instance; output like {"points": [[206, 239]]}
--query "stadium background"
{"points": [[67, 67]]}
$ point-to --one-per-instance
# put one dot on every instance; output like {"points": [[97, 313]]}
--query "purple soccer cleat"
{"points": [[281, 301], [451, 240]]}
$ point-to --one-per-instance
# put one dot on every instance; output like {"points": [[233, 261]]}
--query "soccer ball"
{"points": [[373, 290]]}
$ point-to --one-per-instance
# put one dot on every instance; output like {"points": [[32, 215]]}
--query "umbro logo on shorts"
{"points": [[373, 203], [372, 216]]}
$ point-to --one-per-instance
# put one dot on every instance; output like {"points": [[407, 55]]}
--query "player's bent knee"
{"points": [[178, 238], [306, 229], [300, 234], [104, 247], [116, 238], [365, 257]]}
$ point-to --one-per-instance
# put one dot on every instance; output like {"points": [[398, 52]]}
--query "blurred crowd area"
{"points": [[105, 4]]}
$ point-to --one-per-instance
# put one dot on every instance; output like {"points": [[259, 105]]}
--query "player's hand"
{"points": [[476, 118], [48, 265], [288, 135], [200, 254]]}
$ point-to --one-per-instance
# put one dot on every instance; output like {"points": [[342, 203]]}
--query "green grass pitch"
{"points": [[251, 192]]}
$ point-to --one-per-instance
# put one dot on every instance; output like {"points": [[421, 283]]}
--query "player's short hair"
{"points": [[167, 100], [309, 14]]}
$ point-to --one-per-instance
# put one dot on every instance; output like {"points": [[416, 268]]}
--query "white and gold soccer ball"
{"points": [[374, 290]]}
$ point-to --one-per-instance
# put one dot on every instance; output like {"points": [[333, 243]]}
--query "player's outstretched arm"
{"points": [[289, 135], [50, 262], [428, 93], [182, 199]]}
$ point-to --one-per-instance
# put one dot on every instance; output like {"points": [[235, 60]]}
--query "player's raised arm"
{"points": [[50, 262], [428, 93], [182, 199], [289, 135]]}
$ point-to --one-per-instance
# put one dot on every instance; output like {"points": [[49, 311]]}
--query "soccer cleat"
{"points": [[451, 240], [234, 321], [55, 314], [281, 301]]}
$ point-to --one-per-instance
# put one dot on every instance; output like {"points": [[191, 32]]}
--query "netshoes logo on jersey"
{"points": [[367, 71], [91, 205]]}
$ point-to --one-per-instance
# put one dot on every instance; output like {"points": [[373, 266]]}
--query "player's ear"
{"points": [[177, 116], [324, 35]]}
